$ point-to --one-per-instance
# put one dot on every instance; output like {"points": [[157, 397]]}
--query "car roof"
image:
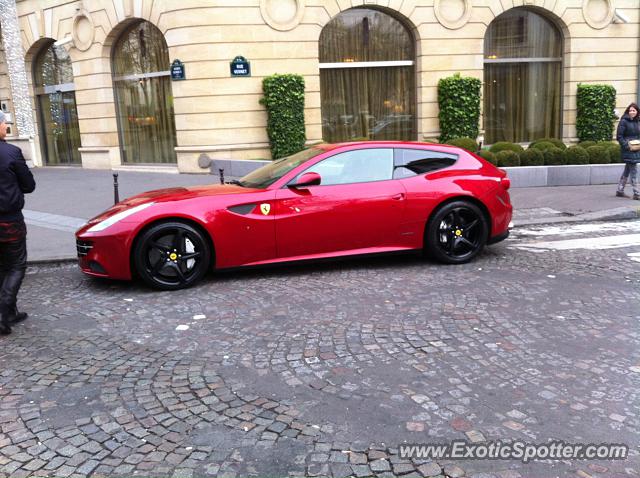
{"points": [[373, 144]]}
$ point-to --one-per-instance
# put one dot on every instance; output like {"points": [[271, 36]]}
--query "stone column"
{"points": [[20, 98]]}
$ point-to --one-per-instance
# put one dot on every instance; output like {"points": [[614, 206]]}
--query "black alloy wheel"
{"points": [[456, 233], [172, 255]]}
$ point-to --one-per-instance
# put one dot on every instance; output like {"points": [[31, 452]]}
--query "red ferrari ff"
{"points": [[326, 201]]}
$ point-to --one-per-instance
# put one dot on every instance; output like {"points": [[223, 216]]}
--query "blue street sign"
{"points": [[240, 66], [177, 71]]}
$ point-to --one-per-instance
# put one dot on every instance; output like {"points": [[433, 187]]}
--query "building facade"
{"points": [[97, 83]]}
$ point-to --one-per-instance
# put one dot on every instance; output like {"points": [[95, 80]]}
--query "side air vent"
{"points": [[243, 209]]}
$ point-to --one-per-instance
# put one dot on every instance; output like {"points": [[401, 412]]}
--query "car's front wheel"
{"points": [[172, 255], [456, 233]]}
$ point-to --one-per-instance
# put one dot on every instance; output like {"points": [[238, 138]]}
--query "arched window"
{"points": [[523, 78], [144, 101], [367, 77], [56, 100]]}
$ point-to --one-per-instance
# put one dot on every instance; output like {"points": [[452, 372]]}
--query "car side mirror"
{"points": [[305, 180]]}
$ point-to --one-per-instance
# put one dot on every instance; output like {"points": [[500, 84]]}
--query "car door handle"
{"points": [[398, 196]]}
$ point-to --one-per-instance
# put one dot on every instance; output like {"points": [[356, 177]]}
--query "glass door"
{"points": [[59, 126], [56, 101]]}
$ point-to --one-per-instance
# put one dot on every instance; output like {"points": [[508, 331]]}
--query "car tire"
{"points": [[456, 233], [171, 256]]}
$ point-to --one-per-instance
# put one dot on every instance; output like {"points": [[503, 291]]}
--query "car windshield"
{"points": [[269, 174]]}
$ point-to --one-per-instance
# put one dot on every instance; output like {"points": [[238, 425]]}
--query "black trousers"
{"points": [[13, 265]]}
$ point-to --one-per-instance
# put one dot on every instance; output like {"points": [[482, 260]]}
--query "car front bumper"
{"points": [[104, 255]]}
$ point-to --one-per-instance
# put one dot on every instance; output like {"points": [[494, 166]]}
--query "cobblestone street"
{"points": [[325, 369]]}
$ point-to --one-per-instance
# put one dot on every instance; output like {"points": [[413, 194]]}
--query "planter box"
{"points": [[606, 173], [527, 176], [569, 175]]}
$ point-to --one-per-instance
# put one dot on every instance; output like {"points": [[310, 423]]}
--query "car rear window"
{"points": [[413, 162]]}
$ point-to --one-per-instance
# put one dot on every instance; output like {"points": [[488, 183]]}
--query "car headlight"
{"points": [[102, 225]]}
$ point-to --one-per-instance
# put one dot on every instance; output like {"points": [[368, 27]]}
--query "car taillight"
{"points": [[506, 183]]}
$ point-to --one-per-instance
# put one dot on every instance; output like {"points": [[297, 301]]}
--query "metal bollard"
{"points": [[479, 146], [116, 195], [221, 172]]}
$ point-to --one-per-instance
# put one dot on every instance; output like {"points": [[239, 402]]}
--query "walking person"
{"points": [[15, 181], [629, 130]]}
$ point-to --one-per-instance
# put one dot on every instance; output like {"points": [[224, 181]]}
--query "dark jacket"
{"points": [[15, 181], [628, 129]]}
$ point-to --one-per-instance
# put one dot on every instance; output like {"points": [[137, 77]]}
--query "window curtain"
{"points": [[144, 102], [521, 101], [365, 35], [370, 103], [522, 97]]}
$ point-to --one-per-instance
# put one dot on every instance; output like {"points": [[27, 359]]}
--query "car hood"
{"points": [[169, 195], [177, 194]]}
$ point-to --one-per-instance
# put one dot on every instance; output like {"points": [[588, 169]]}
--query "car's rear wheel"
{"points": [[172, 255], [456, 233]]}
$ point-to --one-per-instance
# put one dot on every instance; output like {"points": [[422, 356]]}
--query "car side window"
{"points": [[358, 166], [413, 162]]}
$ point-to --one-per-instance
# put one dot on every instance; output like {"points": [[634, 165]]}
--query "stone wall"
{"points": [[221, 116]]}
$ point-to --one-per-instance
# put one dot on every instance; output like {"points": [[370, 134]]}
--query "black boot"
{"points": [[5, 327], [18, 316]]}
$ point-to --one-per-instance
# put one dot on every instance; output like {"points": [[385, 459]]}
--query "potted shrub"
{"points": [[508, 158], [532, 157]]}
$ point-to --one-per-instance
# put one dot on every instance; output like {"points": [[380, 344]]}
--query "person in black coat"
{"points": [[628, 129], [15, 181]]}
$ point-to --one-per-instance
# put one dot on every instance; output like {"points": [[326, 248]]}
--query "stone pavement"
{"points": [[66, 197], [325, 370]]}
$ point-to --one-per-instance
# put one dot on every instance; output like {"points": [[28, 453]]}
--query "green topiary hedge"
{"points": [[615, 153], [284, 100], [598, 155], [554, 156], [545, 153], [508, 158], [465, 143], [532, 157], [459, 102], [586, 144], [506, 146], [558, 143], [596, 115], [577, 155], [489, 156], [543, 145]]}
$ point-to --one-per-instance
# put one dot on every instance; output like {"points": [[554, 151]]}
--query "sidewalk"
{"points": [[66, 197]]}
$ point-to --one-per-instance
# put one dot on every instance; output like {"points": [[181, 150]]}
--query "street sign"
{"points": [[177, 71], [240, 66]]}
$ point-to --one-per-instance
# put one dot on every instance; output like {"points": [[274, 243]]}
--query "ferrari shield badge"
{"points": [[265, 208]]}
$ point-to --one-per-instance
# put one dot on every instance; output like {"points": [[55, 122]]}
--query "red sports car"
{"points": [[326, 201]]}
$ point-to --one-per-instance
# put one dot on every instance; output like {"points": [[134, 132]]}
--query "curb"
{"points": [[52, 261], [616, 214]]}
